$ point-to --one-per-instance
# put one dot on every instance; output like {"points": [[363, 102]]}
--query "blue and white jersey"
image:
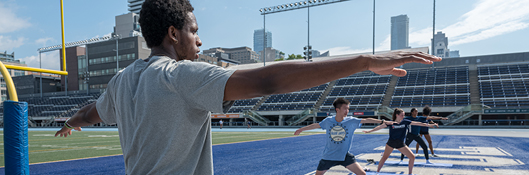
{"points": [[339, 136], [398, 131]]}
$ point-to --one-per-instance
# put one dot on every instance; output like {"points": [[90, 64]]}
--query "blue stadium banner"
{"points": [[322, 114], [502, 111], [16, 137]]}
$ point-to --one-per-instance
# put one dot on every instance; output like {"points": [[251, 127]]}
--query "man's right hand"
{"points": [[298, 132], [384, 64]]}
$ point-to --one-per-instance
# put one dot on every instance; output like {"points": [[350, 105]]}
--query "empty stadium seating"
{"points": [[437, 87], [57, 106], [299, 100], [365, 91], [504, 86]]}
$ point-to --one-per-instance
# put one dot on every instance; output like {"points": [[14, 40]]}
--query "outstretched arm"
{"points": [[436, 118], [377, 128], [294, 76], [84, 117], [423, 124], [310, 127], [372, 120]]}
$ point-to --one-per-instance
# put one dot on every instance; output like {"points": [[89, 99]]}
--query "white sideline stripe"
{"points": [[418, 163]]}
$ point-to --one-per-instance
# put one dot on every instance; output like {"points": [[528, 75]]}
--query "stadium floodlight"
{"points": [[293, 6], [75, 43]]}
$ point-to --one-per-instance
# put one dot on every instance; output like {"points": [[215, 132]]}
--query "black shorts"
{"points": [[327, 164], [424, 132], [396, 143]]}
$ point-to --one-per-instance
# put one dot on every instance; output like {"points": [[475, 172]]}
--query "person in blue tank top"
{"points": [[413, 134], [397, 133], [426, 118], [340, 130]]}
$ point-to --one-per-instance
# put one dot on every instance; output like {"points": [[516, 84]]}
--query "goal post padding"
{"points": [[16, 137]]}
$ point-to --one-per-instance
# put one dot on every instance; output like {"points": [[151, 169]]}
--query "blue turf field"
{"points": [[300, 155]]}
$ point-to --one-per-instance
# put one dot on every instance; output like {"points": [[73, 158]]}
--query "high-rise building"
{"points": [[244, 55], [127, 25], [7, 58], [258, 40], [399, 32], [454, 54], [135, 6], [440, 45]]}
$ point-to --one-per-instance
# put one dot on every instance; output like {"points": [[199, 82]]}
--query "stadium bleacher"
{"points": [[504, 86], [299, 100], [57, 106], [365, 91], [436, 87]]}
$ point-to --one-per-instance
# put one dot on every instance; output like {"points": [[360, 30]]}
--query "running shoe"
{"points": [[366, 169], [435, 155]]}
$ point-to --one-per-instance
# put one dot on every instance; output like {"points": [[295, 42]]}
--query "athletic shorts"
{"points": [[424, 132], [395, 143], [327, 164]]}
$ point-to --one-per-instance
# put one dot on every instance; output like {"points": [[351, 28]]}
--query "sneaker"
{"points": [[366, 169], [428, 162], [435, 155], [417, 155]]}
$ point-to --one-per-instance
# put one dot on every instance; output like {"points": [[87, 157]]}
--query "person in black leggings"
{"points": [[413, 134], [426, 118], [397, 133]]}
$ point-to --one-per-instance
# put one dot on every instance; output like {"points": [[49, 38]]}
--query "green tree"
{"points": [[291, 57], [280, 59], [298, 56]]}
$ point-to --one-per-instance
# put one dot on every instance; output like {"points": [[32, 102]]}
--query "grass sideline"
{"points": [[44, 147]]}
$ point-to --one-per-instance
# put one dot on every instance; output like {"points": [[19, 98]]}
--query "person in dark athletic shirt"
{"points": [[397, 133]]}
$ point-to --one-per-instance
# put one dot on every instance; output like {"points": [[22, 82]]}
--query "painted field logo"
{"points": [[338, 133]]}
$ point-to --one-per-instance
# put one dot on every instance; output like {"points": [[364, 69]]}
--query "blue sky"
{"points": [[474, 27]]}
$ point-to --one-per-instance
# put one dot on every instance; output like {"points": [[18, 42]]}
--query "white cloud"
{"points": [[43, 41], [6, 43], [50, 60], [488, 19], [9, 22]]}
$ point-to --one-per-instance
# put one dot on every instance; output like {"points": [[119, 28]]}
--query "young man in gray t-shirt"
{"points": [[162, 105]]}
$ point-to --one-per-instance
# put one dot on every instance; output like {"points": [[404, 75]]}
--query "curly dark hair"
{"points": [[426, 110], [156, 16]]}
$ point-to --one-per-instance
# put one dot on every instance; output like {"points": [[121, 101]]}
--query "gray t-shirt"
{"points": [[162, 109]]}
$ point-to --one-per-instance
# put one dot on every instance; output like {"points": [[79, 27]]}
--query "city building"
{"points": [[103, 63], [9, 59], [315, 53], [399, 32], [258, 40], [219, 59], [454, 54], [127, 25], [325, 54], [271, 54], [72, 61], [244, 55], [135, 6], [30, 84], [440, 45]]}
